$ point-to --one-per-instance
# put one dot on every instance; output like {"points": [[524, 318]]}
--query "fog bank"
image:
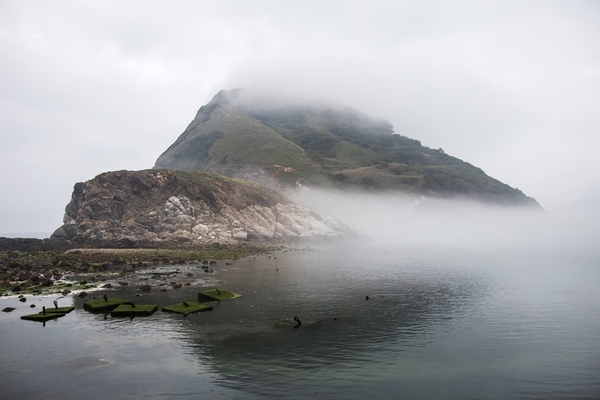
{"points": [[411, 220]]}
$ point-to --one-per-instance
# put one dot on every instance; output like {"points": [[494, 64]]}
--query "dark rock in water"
{"points": [[146, 288], [8, 309], [186, 308], [22, 299], [42, 317], [123, 283], [65, 292], [131, 310], [107, 285], [103, 305], [82, 294], [32, 306]]}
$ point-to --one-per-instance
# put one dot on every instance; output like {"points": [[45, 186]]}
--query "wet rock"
{"points": [[45, 282], [65, 292], [8, 309], [107, 286], [83, 294], [22, 299], [24, 276], [123, 283], [146, 288]]}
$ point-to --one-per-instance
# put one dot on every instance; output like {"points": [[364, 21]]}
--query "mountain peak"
{"points": [[284, 143]]}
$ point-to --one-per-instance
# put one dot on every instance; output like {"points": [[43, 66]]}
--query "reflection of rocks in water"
{"points": [[85, 364]]}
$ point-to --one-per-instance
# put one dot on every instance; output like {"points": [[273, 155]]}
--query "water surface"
{"points": [[462, 323]]}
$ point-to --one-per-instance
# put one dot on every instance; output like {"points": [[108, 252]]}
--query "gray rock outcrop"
{"points": [[154, 207]]}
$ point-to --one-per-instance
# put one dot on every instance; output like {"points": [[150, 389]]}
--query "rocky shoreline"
{"points": [[59, 271]]}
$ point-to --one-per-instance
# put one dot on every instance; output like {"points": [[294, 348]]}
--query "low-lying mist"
{"points": [[405, 220]]}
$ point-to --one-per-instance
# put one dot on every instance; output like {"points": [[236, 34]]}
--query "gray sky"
{"points": [[95, 86]]}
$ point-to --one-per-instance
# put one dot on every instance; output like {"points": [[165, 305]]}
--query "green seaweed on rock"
{"points": [[134, 310], [217, 294], [103, 305], [59, 310], [41, 317], [186, 308]]}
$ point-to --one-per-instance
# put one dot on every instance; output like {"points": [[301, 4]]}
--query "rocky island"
{"points": [[223, 189]]}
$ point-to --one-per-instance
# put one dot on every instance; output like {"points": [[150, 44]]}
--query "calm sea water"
{"points": [[451, 324]]}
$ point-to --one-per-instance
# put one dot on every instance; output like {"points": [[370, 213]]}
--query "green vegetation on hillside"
{"points": [[324, 147]]}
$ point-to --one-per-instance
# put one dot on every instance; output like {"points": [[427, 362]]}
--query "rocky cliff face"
{"points": [[154, 207]]}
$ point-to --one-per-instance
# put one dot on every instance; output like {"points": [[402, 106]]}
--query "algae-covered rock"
{"points": [[132, 310], [41, 317], [103, 305], [187, 307], [60, 310], [217, 294]]}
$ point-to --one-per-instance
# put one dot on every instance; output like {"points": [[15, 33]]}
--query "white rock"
{"points": [[241, 235], [200, 229]]}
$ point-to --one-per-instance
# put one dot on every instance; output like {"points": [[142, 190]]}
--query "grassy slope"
{"points": [[227, 138], [343, 148]]}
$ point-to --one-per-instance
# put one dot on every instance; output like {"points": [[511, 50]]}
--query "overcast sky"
{"points": [[94, 86]]}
